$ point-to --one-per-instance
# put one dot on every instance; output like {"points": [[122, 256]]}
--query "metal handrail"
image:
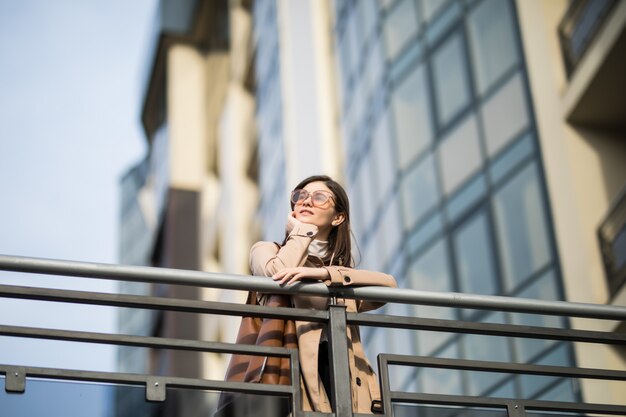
{"points": [[336, 319], [254, 283]]}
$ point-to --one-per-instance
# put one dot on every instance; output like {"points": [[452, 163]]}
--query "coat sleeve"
{"points": [[266, 258], [343, 276]]}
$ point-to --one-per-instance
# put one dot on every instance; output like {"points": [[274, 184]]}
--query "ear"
{"points": [[339, 218]]}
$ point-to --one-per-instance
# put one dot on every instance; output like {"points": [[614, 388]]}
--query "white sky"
{"points": [[71, 78]]}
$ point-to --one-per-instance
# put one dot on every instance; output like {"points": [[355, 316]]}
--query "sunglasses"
{"points": [[319, 198]]}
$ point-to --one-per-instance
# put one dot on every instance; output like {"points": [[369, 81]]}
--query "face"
{"points": [[324, 216]]}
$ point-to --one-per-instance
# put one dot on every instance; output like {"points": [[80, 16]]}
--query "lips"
{"points": [[306, 212]]}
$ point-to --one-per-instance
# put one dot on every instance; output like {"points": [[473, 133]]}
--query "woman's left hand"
{"points": [[293, 275]]}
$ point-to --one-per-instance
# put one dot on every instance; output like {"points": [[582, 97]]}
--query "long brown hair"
{"points": [[339, 240]]}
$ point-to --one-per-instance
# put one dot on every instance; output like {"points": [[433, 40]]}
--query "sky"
{"points": [[72, 73]]}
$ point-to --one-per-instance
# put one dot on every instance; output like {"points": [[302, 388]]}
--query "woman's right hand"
{"points": [[291, 222]]}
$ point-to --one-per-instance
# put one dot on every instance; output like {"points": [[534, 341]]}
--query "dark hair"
{"points": [[339, 240]]}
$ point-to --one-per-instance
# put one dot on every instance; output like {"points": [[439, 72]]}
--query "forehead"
{"points": [[315, 186]]}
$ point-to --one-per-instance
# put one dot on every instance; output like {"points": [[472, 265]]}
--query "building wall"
{"points": [[585, 172]]}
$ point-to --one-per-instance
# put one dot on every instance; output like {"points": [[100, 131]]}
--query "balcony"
{"points": [[25, 383], [592, 35]]}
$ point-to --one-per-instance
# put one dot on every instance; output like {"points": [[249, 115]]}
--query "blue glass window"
{"points": [[450, 76], [459, 154], [419, 191], [505, 115], [474, 256], [400, 26], [521, 227], [412, 119], [492, 40]]}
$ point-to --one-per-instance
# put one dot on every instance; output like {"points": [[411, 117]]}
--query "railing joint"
{"points": [[15, 380], [155, 389]]}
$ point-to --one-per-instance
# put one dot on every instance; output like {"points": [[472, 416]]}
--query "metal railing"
{"points": [[336, 319]]}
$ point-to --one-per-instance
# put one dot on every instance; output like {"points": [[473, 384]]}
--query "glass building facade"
{"points": [[444, 171], [271, 146], [445, 176]]}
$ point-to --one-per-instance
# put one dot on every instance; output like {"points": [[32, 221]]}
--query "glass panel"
{"points": [[466, 197], [441, 381], [369, 14], [400, 26], [459, 154], [474, 252], [521, 227], [533, 384], [427, 231], [412, 119], [431, 272], [414, 410], [505, 115], [443, 22], [542, 289], [381, 150], [391, 229], [419, 191], [486, 348], [492, 41], [367, 188], [431, 7], [511, 157], [450, 79]]}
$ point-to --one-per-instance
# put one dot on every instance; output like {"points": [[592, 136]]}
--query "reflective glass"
{"points": [[472, 245], [412, 119], [368, 10], [505, 115], [442, 381], [431, 7], [521, 227], [466, 197], [415, 410], [533, 384], [400, 25], [419, 191], [450, 79], [511, 157], [391, 229], [486, 348], [381, 150], [542, 289], [459, 154], [431, 272], [492, 40], [426, 232]]}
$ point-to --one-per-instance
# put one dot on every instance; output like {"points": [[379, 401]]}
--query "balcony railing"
{"points": [[157, 386], [578, 28]]}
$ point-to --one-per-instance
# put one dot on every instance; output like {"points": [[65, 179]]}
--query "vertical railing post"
{"points": [[341, 395]]}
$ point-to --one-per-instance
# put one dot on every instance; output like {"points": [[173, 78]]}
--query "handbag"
{"points": [[260, 369]]}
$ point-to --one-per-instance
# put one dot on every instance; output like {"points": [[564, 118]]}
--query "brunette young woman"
{"points": [[317, 247]]}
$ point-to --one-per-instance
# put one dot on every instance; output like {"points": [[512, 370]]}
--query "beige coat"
{"points": [[266, 258]]}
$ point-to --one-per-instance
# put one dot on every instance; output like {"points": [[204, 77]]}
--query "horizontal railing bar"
{"points": [[461, 400], [488, 329], [263, 284], [161, 303], [142, 341], [501, 367], [138, 379]]}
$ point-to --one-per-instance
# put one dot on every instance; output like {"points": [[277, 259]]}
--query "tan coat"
{"points": [[266, 258]]}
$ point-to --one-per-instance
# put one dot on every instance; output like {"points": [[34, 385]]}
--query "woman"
{"points": [[317, 247]]}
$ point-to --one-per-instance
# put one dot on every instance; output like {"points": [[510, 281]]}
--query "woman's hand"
{"points": [[293, 275]]}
